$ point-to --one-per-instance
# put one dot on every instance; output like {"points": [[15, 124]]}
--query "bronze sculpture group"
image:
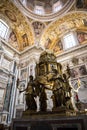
{"points": [[52, 79]]}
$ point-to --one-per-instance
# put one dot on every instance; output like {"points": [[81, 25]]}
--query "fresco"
{"points": [[25, 40], [85, 22], [13, 40], [15, 20], [81, 36], [78, 71], [79, 83], [38, 28], [10, 15], [58, 47], [59, 27], [48, 43], [82, 89]]}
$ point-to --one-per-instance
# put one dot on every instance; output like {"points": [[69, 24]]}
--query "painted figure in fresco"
{"points": [[81, 37], [25, 40], [58, 46], [38, 28], [82, 70], [48, 43], [30, 95], [13, 39]]}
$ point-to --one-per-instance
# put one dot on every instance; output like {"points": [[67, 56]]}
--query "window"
{"points": [[57, 6], [3, 29], [39, 10], [69, 41]]}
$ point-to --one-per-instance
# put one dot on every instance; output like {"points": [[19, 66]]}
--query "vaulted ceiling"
{"points": [[50, 8], [28, 28]]}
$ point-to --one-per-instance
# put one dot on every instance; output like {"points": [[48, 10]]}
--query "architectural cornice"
{"points": [[75, 51]]}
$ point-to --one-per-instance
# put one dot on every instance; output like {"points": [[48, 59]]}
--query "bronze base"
{"points": [[60, 111]]}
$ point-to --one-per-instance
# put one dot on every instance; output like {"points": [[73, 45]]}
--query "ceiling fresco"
{"points": [[75, 21], [46, 4], [21, 35], [48, 9], [24, 31]]}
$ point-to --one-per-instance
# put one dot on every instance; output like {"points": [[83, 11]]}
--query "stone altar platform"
{"points": [[50, 121]]}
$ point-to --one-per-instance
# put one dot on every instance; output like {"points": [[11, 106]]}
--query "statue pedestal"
{"points": [[49, 121], [59, 111], [26, 114]]}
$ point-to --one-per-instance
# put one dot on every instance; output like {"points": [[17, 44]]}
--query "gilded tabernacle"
{"points": [[51, 86]]}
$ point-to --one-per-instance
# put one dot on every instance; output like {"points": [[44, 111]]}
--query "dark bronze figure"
{"points": [[30, 94]]}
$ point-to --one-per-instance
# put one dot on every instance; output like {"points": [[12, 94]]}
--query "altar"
{"points": [[50, 122], [53, 109]]}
